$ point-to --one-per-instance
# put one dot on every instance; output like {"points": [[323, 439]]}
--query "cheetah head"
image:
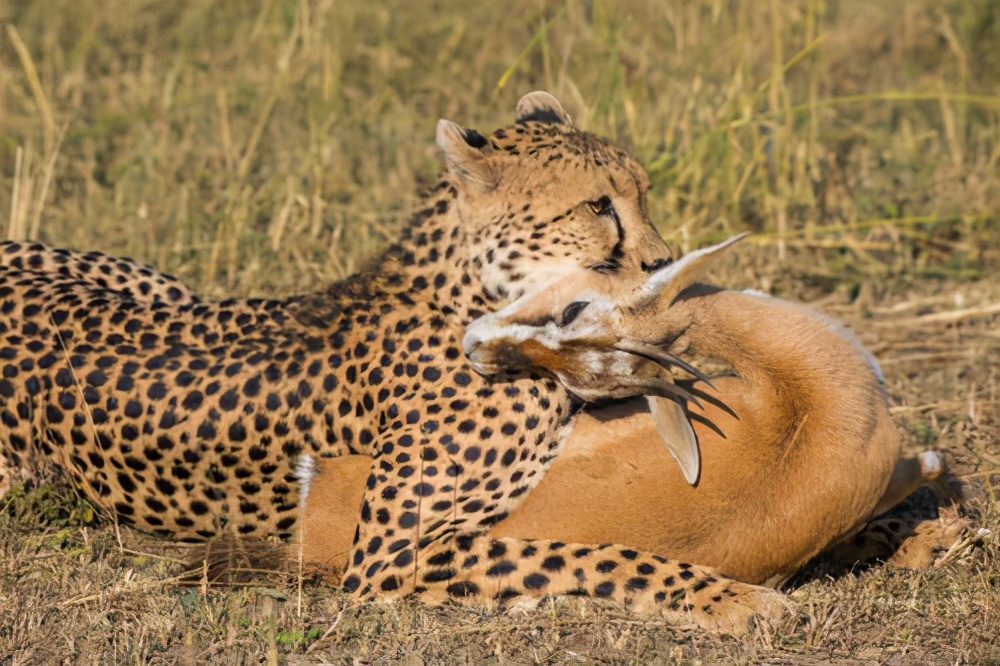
{"points": [[546, 207]]}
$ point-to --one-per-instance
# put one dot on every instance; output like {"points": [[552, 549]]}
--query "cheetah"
{"points": [[193, 419]]}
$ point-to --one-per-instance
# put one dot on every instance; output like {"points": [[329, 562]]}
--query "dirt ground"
{"points": [[266, 148]]}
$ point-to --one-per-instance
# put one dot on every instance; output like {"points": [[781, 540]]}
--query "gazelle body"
{"points": [[802, 459], [797, 447]]}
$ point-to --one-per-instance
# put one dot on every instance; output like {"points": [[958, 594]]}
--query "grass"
{"points": [[270, 147]]}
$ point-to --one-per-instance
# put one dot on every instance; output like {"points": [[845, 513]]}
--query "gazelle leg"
{"points": [[910, 473]]}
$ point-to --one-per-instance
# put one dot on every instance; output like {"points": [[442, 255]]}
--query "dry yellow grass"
{"points": [[269, 147]]}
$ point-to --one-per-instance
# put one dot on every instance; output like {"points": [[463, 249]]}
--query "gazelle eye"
{"points": [[572, 311], [601, 206]]}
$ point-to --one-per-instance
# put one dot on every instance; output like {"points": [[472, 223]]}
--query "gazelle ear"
{"points": [[465, 153], [664, 285], [542, 107], [674, 427]]}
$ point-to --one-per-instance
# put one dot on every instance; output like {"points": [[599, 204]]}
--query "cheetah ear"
{"points": [[542, 107], [465, 152]]}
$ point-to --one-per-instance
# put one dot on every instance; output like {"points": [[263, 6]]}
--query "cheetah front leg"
{"points": [[476, 568], [424, 529]]}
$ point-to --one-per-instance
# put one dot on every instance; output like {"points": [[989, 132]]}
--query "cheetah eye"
{"points": [[602, 206], [572, 311], [657, 265], [607, 266]]}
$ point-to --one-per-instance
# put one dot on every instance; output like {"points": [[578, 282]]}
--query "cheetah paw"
{"points": [[733, 609], [932, 541]]}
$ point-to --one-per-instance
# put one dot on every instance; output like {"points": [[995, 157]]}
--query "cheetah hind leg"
{"points": [[478, 568], [908, 538]]}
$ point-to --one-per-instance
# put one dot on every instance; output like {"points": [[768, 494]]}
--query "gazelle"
{"points": [[786, 452]]}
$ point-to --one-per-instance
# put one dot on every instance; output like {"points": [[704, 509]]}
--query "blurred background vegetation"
{"points": [[269, 146]]}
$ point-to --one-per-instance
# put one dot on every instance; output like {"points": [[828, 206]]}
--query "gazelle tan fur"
{"points": [[797, 448]]}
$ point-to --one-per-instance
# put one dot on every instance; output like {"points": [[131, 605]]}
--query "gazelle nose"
{"points": [[480, 362]]}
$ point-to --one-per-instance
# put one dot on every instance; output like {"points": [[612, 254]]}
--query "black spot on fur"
{"points": [[475, 139], [605, 589]]}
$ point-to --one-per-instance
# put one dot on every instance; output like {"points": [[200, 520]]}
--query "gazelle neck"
{"points": [[783, 348]]}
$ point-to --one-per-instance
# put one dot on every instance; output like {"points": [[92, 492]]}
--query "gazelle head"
{"points": [[608, 345]]}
